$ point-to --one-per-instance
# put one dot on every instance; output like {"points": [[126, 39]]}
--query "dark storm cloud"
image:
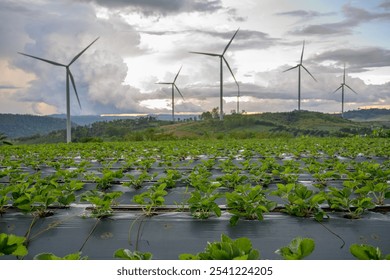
{"points": [[358, 59], [12, 33], [353, 17], [385, 5], [211, 41], [8, 87], [58, 31], [162, 7], [244, 40], [304, 14], [323, 29]]}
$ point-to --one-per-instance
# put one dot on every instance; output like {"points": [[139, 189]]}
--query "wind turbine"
{"points": [[343, 84], [222, 58], [68, 76], [299, 66], [173, 93], [238, 98]]}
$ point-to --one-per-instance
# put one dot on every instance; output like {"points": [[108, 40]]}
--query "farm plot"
{"points": [[165, 199]]}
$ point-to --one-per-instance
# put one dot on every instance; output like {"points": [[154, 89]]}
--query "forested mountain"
{"points": [[369, 115], [14, 126]]}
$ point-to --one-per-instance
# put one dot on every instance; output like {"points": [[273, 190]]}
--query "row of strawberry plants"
{"points": [[226, 249], [174, 151], [34, 193]]}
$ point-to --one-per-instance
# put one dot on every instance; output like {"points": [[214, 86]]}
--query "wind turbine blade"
{"points": [[177, 74], [179, 91], [227, 46], [350, 88], [291, 68], [309, 73], [231, 72], [45, 60], [211, 54], [337, 89], [303, 49], [77, 56], [74, 85], [165, 83]]}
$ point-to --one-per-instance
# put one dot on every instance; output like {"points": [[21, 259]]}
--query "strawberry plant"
{"points": [[344, 200], [269, 165], [227, 165], [248, 202], [145, 164], [298, 249], [138, 181], [171, 177], [322, 177], [231, 180], [202, 201], [378, 190], [288, 173], [50, 256], [67, 196], [126, 254], [199, 177], [202, 204], [12, 245], [108, 178], [151, 198], [36, 195], [5, 191], [101, 201], [226, 249], [258, 176], [301, 201], [208, 164], [249, 165], [367, 252]]}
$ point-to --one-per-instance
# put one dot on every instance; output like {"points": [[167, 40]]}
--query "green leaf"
{"points": [[306, 247], [298, 249], [365, 252], [188, 257], [217, 210], [67, 199], [126, 254], [234, 220], [50, 256], [12, 245], [243, 243]]}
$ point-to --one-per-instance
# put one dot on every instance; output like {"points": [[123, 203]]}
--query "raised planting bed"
{"points": [[170, 198]]}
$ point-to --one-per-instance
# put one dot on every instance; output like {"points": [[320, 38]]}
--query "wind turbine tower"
{"points": [[68, 76], [173, 84], [238, 98], [343, 84], [222, 59], [299, 66]]}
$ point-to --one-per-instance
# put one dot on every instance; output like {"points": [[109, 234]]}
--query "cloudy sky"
{"points": [[143, 42]]}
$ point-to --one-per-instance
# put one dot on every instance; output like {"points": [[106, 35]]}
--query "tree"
{"points": [[3, 140], [215, 113], [206, 116]]}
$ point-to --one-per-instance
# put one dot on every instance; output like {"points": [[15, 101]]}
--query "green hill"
{"points": [[14, 126], [239, 126], [267, 124]]}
